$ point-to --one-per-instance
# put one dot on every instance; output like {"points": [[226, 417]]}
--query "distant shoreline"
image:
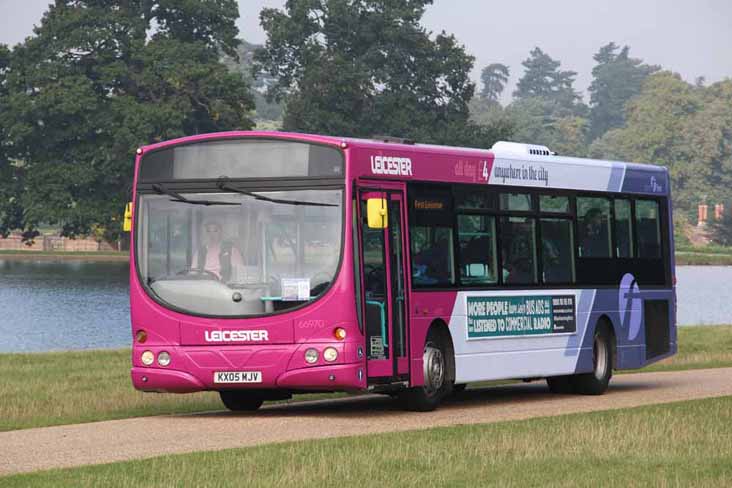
{"points": [[64, 256]]}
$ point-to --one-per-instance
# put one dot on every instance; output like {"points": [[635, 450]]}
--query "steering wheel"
{"points": [[201, 273]]}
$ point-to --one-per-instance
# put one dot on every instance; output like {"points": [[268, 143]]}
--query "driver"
{"points": [[217, 255]]}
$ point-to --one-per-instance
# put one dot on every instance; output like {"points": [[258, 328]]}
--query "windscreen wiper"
{"points": [[222, 184], [177, 197]]}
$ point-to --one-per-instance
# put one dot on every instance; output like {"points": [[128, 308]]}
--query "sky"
{"points": [[690, 37]]}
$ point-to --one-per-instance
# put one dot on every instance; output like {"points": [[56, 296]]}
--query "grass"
{"points": [[703, 346], [44, 389], [701, 259], [57, 388], [686, 443], [708, 249], [711, 255]]}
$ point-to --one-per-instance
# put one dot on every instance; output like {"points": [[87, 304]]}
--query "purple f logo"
{"points": [[629, 305]]}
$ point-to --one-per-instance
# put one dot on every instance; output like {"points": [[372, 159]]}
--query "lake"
{"points": [[54, 305]]}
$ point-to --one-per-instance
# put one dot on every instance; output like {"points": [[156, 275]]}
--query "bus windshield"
{"points": [[238, 253]]}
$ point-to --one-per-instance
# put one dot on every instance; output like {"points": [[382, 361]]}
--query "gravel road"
{"points": [[118, 440]]}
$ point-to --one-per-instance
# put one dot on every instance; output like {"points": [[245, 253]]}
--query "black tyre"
{"points": [[596, 382], [242, 400], [437, 383], [560, 384]]}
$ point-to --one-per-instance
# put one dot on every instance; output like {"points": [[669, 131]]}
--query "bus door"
{"points": [[384, 278]]}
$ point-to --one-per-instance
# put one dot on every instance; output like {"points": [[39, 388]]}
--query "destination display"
{"points": [[520, 315]]}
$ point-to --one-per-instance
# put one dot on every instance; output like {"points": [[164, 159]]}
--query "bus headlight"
{"points": [[164, 358], [147, 358], [330, 354], [311, 356]]}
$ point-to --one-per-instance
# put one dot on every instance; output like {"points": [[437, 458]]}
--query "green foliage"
{"points": [[365, 67], [494, 78], [684, 127], [546, 108], [543, 121], [616, 79], [544, 80], [11, 214], [95, 82]]}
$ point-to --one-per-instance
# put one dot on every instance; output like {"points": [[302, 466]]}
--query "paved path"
{"points": [[117, 440]]}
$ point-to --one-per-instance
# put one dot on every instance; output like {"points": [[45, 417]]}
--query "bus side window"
{"points": [[649, 229], [593, 222], [557, 250], [477, 238], [623, 229], [432, 252], [518, 250]]}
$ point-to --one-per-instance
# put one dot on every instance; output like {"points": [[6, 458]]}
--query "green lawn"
{"points": [[680, 444], [85, 386], [703, 259], [708, 346], [708, 249]]}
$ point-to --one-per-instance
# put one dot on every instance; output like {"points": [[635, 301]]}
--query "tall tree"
{"points": [[616, 79], [11, 214], [364, 67], [494, 78], [98, 79], [541, 121], [656, 123], [543, 79]]}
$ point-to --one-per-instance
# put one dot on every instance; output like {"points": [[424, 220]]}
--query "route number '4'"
{"points": [[485, 170]]}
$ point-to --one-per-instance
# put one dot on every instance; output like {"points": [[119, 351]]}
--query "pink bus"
{"points": [[266, 264]]}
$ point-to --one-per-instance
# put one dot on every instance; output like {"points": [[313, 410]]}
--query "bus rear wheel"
{"points": [[596, 382], [437, 384], [242, 400]]}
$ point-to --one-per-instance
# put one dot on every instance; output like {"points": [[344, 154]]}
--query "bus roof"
{"points": [[505, 164]]}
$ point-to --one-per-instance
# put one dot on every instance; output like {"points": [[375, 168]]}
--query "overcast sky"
{"points": [[691, 37]]}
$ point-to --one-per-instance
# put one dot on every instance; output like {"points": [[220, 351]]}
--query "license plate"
{"points": [[237, 376]]}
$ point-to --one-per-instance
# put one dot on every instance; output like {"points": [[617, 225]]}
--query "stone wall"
{"points": [[54, 243]]}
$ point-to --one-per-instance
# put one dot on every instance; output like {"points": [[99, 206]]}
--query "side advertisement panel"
{"points": [[495, 316]]}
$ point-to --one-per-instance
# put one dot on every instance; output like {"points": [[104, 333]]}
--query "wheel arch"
{"points": [[438, 328], [604, 320]]}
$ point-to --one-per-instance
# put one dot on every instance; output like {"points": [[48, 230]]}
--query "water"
{"points": [[57, 305], [704, 295]]}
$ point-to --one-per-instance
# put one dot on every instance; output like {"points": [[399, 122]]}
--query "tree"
{"points": [[616, 79], [543, 79], [660, 129], [98, 79], [365, 67], [541, 121], [11, 214], [494, 78]]}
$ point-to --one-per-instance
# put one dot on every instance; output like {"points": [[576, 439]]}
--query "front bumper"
{"points": [[281, 367]]}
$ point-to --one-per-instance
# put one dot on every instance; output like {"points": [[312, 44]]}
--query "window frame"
{"points": [[537, 215]]}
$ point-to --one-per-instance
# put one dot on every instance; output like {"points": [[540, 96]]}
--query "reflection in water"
{"points": [[52, 305], [56, 305]]}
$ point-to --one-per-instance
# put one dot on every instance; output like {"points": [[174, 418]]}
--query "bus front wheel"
{"points": [[241, 400], [437, 384]]}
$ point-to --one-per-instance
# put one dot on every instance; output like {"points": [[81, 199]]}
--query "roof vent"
{"points": [[522, 149], [397, 140]]}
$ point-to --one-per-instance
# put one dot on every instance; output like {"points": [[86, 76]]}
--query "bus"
{"points": [[267, 264]]}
